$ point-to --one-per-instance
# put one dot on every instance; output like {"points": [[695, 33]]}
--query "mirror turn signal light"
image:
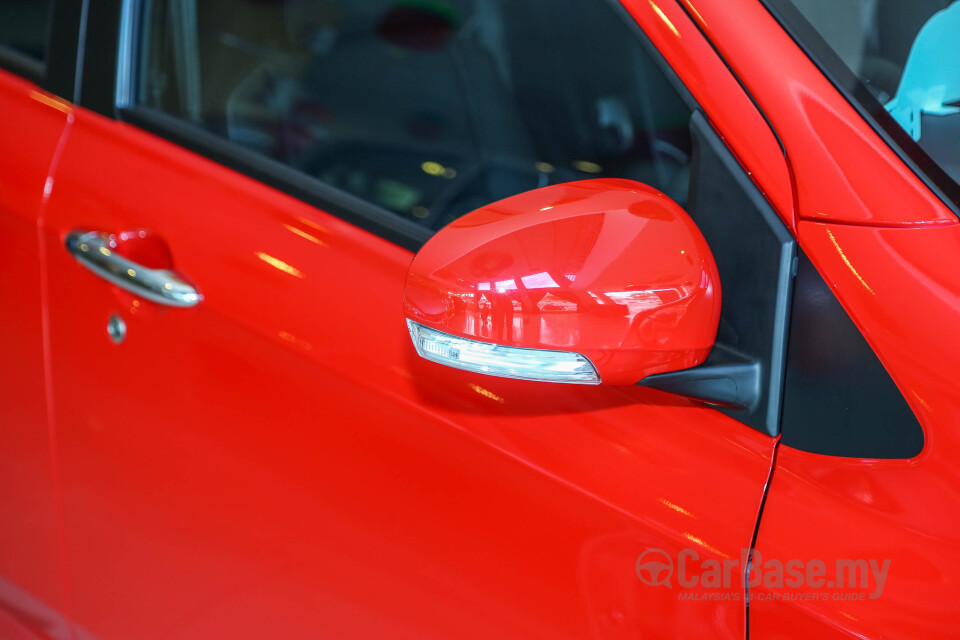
{"points": [[543, 365]]}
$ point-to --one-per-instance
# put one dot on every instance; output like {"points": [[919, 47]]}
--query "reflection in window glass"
{"points": [[23, 26], [427, 108]]}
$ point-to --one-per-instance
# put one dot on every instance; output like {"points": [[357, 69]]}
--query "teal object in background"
{"points": [[931, 77]]}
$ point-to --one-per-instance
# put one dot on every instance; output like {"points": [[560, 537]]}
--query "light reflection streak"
{"points": [[486, 393], [675, 507], [313, 225], [279, 264], [300, 342], [704, 545], [303, 234], [50, 101], [846, 261], [664, 17]]}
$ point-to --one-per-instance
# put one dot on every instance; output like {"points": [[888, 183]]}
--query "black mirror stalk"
{"points": [[727, 378]]}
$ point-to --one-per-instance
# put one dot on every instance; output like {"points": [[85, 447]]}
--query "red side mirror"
{"points": [[608, 280]]}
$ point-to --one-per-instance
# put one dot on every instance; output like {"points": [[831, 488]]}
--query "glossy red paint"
{"points": [[277, 461], [144, 247], [611, 269], [900, 286], [835, 155], [728, 107], [31, 127]]}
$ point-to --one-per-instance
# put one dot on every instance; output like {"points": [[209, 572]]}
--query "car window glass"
{"points": [[426, 108], [23, 26]]}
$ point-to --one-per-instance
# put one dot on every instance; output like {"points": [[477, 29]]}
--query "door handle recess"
{"points": [[163, 286]]}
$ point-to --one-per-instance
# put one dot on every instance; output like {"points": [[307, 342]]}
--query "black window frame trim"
{"points": [[58, 72], [274, 173], [856, 93], [22, 64]]}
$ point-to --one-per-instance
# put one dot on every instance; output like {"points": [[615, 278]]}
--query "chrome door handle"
{"points": [[163, 286]]}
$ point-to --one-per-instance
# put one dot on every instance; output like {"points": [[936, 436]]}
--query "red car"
{"points": [[479, 319]]}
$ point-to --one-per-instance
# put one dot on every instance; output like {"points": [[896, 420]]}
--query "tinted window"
{"points": [[23, 26], [428, 109]]}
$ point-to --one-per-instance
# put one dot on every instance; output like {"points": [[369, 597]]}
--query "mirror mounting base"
{"points": [[727, 378]]}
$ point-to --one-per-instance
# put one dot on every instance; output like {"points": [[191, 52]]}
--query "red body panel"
{"points": [[901, 286], [836, 158], [717, 91], [557, 268], [278, 461], [30, 131]]}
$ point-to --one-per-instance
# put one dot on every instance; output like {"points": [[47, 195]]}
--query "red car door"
{"points": [[32, 123], [269, 457], [879, 222]]}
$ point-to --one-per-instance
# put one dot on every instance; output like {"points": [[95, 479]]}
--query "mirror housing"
{"points": [[607, 272]]}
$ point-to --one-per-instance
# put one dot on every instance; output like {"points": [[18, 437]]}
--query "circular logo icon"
{"points": [[655, 567]]}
